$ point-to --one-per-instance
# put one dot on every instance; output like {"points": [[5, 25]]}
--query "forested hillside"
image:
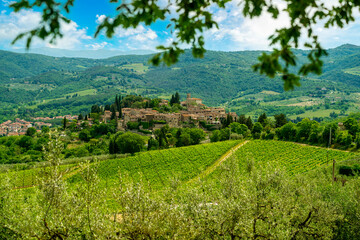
{"points": [[32, 84]]}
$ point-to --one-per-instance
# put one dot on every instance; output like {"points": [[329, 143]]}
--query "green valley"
{"points": [[60, 86]]}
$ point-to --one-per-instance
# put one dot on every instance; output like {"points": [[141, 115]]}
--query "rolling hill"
{"points": [[36, 85]]}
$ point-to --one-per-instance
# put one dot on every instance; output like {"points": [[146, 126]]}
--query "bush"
{"points": [[133, 125], [235, 136], [129, 143], [349, 170], [145, 125], [30, 131], [145, 131], [84, 135]]}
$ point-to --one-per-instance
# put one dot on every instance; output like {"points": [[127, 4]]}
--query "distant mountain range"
{"points": [[63, 85], [93, 54]]}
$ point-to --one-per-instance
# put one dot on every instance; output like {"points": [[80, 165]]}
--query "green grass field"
{"points": [[83, 93], [318, 113], [353, 71], [136, 67]]}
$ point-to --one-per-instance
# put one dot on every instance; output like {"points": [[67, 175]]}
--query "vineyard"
{"points": [[160, 168], [30, 177], [295, 158]]}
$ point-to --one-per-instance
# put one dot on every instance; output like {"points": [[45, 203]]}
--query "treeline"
{"points": [[344, 134], [23, 149], [108, 141]]}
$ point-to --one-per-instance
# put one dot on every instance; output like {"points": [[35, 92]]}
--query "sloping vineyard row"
{"points": [[161, 166], [295, 158]]}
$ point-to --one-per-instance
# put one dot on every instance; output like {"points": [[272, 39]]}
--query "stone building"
{"points": [[195, 111]]}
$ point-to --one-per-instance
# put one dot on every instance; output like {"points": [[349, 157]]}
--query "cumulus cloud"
{"points": [[15, 23], [7, 2], [73, 36], [100, 18], [137, 38], [239, 33], [97, 46]]}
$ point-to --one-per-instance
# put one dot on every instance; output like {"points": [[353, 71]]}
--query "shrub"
{"points": [[130, 143]]}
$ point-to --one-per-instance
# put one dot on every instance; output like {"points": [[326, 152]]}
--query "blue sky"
{"points": [[235, 32]]}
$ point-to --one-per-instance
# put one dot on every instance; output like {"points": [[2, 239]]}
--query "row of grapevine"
{"points": [[160, 167], [30, 177], [295, 158]]}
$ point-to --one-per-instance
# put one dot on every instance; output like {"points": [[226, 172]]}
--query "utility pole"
{"points": [[334, 170], [229, 132], [327, 154]]}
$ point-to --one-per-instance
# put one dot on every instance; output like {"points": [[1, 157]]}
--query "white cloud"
{"points": [[73, 36], [100, 18], [15, 23], [97, 46], [144, 36], [137, 38], [7, 2], [238, 33]]}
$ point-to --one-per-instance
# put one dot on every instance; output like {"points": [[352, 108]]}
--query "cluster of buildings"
{"points": [[195, 112], [68, 117], [19, 127]]}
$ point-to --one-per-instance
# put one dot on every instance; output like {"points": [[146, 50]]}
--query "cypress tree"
{"points": [[262, 119], [177, 98], [113, 111], [228, 121], [249, 123], [172, 100], [64, 123], [242, 119], [119, 106]]}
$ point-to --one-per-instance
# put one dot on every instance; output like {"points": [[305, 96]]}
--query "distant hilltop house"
{"points": [[192, 102], [195, 111]]}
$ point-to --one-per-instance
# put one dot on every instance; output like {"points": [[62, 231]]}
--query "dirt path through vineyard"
{"points": [[218, 162]]}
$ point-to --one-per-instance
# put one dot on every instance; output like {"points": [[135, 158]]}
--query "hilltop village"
{"points": [[194, 112]]}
